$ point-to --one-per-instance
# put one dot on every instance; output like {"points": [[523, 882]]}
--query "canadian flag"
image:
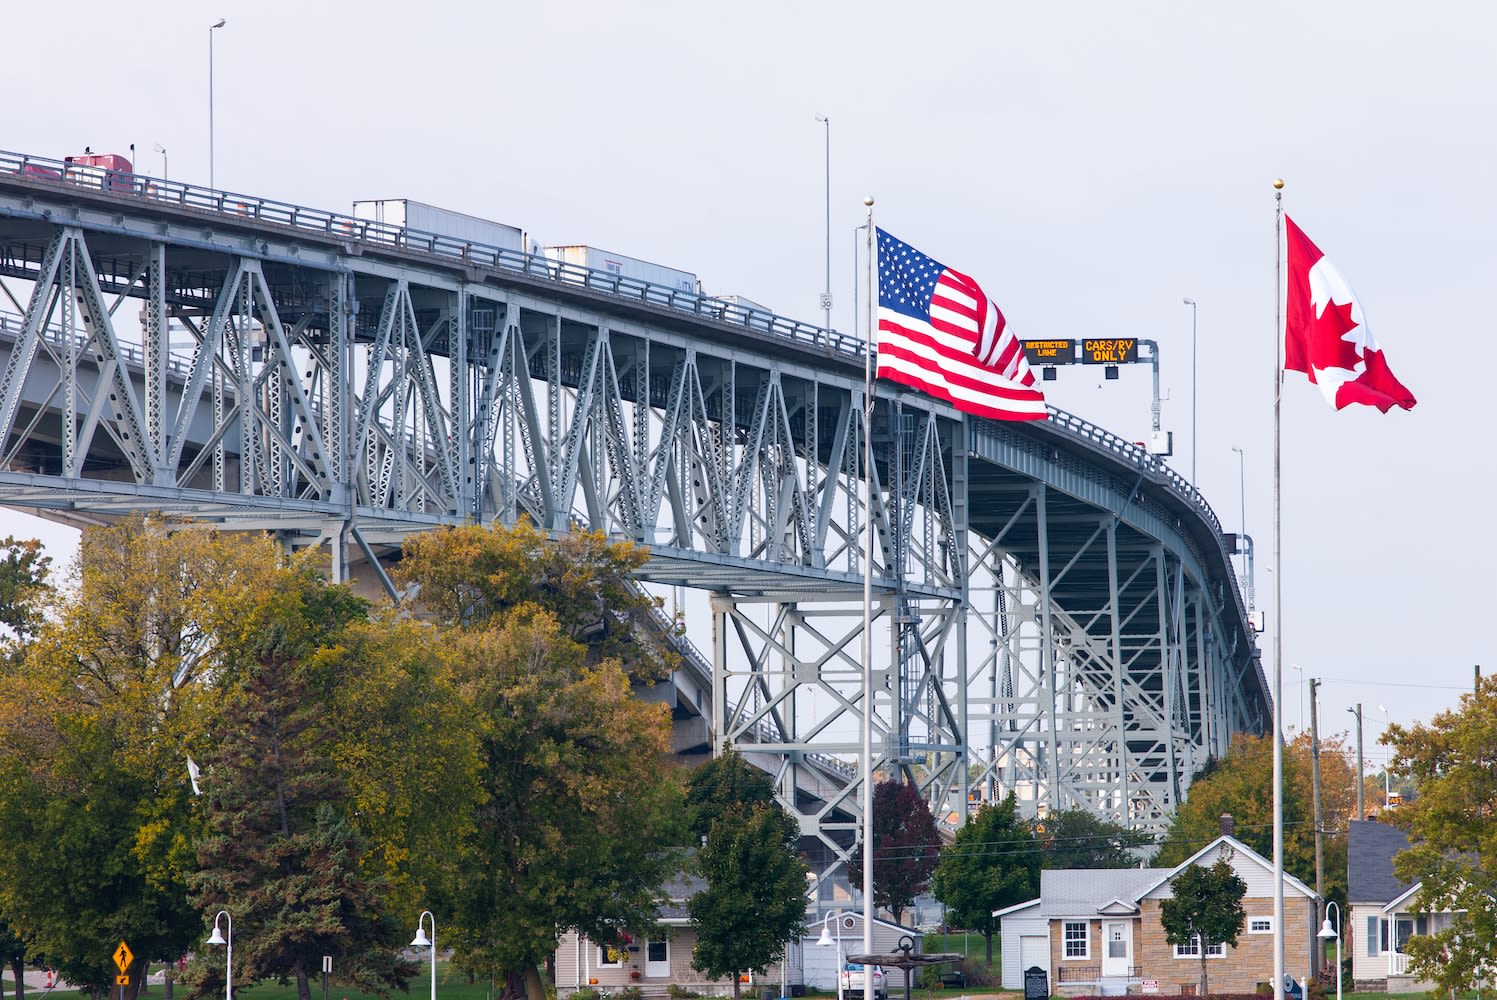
{"points": [[1325, 335]]}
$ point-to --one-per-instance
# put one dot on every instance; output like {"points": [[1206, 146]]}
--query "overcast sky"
{"points": [[1089, 163]]}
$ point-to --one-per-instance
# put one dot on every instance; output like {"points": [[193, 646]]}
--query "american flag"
{"points": [[939, 333]]}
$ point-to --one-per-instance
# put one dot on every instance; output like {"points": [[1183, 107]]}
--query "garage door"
{"points": [[1034, 949]]}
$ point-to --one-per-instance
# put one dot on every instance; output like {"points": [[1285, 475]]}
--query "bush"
{"points": [[930, 977], [678, 992], [978, 972], [585, 993], [628, 993]]}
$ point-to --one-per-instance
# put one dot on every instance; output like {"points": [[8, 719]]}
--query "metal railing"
{"points": [[252, 208]]}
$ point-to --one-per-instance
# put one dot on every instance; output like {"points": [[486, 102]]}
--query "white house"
{"points": [[1381, 914]]}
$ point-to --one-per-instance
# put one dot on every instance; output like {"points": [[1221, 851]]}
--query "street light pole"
{"points": [[166, 173], [826, 295], [217, 938], [211, 28], [825, 941], [1192, 303], [1327, 932], [421, 941]]}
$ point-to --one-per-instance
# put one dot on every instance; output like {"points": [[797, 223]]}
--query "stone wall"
{"points": [[1242, 968]]}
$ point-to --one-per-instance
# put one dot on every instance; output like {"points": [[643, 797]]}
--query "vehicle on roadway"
{"points": [[852, 981]]}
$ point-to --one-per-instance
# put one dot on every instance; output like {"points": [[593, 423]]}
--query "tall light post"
{"points": [[826, 296], [1388, 767], [165, 167], [217, 937], [1300, 673], [421, 941], [1192, 303], [1327, 932], [211, 28], [825, 941]]}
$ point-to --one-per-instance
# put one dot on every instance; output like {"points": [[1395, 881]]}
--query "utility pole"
{"points": [[1315, 781], [1361, 809]]}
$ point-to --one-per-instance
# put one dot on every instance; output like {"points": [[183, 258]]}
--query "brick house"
{"points": [[1101, 930]]}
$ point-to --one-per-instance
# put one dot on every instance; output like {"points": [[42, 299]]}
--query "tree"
{"points": [[726, 784], [1452, 835], [1241, 783], [993, 862], [906, 847], [576, 814], [754, 902], [1204, 909], [474, 574], [23, 585], [280, 847], [1078, 838], [93, 777]]}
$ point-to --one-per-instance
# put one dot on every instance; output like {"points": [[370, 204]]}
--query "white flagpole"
{"points": [[1278, 609], [867, 643]]}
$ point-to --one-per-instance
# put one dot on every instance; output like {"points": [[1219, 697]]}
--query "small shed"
{"points": [[1025, 934]]}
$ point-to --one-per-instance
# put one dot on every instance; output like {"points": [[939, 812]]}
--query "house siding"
{"points": [[1015, 929]]}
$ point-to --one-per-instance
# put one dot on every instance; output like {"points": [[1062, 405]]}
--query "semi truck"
{"points": [[624, 267], [405, 213]]}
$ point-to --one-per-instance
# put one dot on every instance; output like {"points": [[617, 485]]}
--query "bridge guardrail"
{"points": [[50, 172]]}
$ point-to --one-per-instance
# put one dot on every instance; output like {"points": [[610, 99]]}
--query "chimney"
{"points": [[1227, 824]]}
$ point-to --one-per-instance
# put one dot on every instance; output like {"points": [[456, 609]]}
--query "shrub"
{"points": [[930, 977], [585, 993], [679, 992]]}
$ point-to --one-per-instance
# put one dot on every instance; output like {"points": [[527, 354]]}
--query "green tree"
{"points": [[279, 848], [726, 784], [906, 846], [993, 862], [93, 777], [754, 902], [1078, 838], [24, 589], [1204, 909], [1452, 835]]}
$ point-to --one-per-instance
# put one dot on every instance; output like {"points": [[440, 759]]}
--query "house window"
{"points": [[656, 951], [1260, 925], [1377, 936], [1193, 949], [610, 957], [1076, 942]]}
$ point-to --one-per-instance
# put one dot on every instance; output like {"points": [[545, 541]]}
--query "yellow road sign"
{"points": [[122, 980], [123, 956]]}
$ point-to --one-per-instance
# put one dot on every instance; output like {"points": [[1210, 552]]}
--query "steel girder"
{"points": [[1074, 645]]}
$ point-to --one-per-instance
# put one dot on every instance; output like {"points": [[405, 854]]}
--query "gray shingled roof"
{"points": [[1370, 847], [1078, 892]]}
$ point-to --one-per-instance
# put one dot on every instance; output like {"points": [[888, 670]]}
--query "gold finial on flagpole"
{"points": [[1278, 183]]}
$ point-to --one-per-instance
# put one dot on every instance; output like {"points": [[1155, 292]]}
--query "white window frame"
{"points": [[604, 963], [1066, 941], [1266, 922], [1193, 950]]}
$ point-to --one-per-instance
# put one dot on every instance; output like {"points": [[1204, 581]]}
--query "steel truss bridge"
{"points": [[1055, 611]]}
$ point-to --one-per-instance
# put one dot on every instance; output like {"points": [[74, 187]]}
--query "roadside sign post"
{"points": [[327, 967], [123, 956]]}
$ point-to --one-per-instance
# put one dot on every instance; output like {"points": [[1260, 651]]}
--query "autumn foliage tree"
{"points": [[575, 811], [1452, 830], [906, 846], [1241, 783]]}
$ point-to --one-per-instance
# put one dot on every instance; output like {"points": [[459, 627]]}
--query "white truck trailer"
{"points": [[625, 267], [403, 213]]}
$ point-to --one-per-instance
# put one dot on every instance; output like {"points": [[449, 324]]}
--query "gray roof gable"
{"points": [[1082, 892], [1370, 847]]}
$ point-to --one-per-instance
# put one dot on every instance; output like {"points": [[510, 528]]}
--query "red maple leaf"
{"points": [[1329, 347]]}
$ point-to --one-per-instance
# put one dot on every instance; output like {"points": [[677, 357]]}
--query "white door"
{"points": [[1034, 949], [657, 959], [1117, 947]]}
